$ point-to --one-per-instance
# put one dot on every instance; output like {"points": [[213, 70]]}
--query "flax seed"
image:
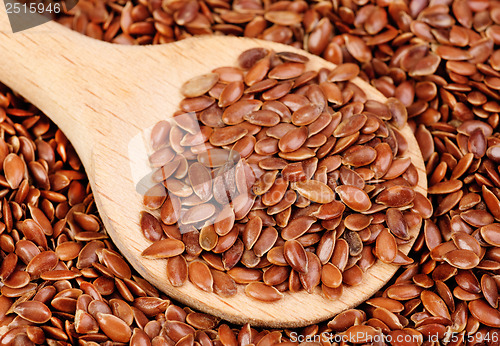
{"points": [[456, 33]]}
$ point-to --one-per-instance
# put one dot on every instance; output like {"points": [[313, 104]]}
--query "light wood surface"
{"points": [[105, 98]]}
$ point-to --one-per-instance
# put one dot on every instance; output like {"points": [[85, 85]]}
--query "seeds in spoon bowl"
{"points": [[462, 11], [280, 167]]}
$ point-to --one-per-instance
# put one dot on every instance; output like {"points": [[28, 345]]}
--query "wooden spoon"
{"points": [[103, 96]]}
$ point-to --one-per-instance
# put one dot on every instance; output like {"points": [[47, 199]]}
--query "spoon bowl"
{"points": [[105, 98]]}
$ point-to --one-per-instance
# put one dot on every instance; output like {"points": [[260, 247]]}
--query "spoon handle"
{"points": [[54, 68], [90, 88]]}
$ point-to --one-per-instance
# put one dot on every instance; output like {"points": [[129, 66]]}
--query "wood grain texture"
{"points": [[105, 97]]}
